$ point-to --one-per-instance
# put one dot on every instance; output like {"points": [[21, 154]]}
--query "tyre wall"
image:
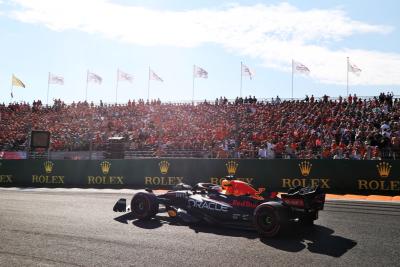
{"points": [[334, 176]]}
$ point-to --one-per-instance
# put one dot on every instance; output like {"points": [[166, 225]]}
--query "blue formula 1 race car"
{"points": [[233, 204]]}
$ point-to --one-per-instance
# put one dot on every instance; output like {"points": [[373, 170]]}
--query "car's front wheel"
{"points": [[144, 205]]}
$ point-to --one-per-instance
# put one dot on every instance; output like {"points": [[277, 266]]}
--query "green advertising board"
{"points": [[334, 176]]}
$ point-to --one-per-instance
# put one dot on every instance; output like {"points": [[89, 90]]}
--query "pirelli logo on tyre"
{"points": [[107, 177], [163, 178], [385, 181], [305, 177]]}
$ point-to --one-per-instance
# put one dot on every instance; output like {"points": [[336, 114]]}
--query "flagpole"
{"points": [[11, 94], [48, 88], [116, 89], [347, 87], [194, 67], [292, 76], [148, 87], [87, 82], [241, 77]]}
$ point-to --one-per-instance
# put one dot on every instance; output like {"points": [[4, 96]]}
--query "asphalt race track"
{"points": [[80, 229]]}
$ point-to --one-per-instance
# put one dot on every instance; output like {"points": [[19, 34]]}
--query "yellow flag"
{"points": [[17, 82]]}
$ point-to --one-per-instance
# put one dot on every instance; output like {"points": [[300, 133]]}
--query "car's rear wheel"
{"points": [[144, 205], [267, 220]]}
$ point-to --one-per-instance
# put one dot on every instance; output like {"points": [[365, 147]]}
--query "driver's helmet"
{"points": [[227, 187], [237, 188]]}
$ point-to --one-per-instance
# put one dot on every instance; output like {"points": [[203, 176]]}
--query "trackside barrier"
{"points": [[334, 176]]}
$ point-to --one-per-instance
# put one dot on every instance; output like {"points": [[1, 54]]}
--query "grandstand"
{"points": [[341, 128]]}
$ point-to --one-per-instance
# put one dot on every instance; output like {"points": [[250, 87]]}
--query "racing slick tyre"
{"points": [[144, 205], [268, 219]]}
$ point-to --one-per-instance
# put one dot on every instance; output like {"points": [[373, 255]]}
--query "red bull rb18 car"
{"points": [[233, 204]]}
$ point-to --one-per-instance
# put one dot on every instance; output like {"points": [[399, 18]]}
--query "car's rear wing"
{"points": [[306, 198]]}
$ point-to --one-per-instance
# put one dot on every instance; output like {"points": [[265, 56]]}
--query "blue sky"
{"points": [[69, 37]]}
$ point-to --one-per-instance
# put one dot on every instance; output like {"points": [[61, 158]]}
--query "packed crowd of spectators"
{"points": [[342, 128]]}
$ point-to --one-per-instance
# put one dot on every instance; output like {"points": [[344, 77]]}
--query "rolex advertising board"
{"points": [[6, 176], [334, 176]]}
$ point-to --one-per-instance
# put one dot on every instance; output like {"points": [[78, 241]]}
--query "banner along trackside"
{"points": [[334, 176]]}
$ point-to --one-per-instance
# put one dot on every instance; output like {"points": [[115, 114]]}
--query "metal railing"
{"points": [[385, 154]]}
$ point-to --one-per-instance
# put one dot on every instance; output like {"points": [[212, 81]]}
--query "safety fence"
{"points": [[385, 154], [334, 176]]}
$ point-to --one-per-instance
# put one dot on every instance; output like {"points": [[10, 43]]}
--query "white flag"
{"points": [[300, 68], [122, 76], [200, 73], [92, 77], [154, 76], [246, 71], [55, 79], [353, 68]]}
